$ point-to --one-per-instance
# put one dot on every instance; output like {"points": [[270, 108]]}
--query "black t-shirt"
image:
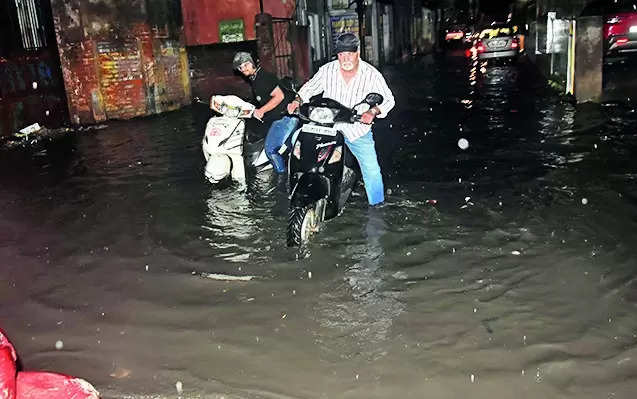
{"points": [[263, 84]]}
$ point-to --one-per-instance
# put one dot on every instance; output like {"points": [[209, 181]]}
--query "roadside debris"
{"points": [[29, 129], [35, 135]]}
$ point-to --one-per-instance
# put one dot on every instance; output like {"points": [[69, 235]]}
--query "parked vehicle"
{"points": [[497, 41], [322, 171], [223, 141], [620, 24], [455, 33]]}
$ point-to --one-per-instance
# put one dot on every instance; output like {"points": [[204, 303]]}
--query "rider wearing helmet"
{"points": [[271, 102]]}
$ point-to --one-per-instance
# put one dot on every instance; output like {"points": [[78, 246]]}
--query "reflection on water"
{"points": [[502, 268], [229, 222], [360, 311]]}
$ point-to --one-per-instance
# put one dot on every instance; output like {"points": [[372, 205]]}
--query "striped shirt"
{"points": [[367, 80]]}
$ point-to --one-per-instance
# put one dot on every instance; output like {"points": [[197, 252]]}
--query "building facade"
{"points": [[85, 62]]}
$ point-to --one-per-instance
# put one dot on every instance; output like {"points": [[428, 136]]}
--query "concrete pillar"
{"points": [[589, 54], [265, 41]]}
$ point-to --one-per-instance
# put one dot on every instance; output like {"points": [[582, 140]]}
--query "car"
{"points": [[455, 33], [620, 24], [497, 41]]}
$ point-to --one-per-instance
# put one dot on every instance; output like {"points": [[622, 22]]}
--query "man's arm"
{"points": [[380, 87], [381, 110], [313, 86], [276, 98]]}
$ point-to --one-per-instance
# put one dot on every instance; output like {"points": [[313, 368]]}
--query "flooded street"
{"points": [[506, 269]]}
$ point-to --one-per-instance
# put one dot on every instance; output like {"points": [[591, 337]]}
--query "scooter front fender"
{"points": [[310, 188]]}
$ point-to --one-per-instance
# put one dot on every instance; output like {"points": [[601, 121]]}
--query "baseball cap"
{"points": [[346, 42]]}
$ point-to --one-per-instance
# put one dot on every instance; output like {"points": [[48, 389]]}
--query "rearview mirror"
{"points": [[373, 99]]}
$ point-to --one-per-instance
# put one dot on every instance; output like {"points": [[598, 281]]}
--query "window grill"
{"points": [[29, 20]]}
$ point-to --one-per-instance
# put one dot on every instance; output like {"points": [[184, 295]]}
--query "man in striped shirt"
{"points": [[348, 80]]}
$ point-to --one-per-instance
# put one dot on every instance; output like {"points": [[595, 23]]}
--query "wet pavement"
{"points": [[504, 269]]}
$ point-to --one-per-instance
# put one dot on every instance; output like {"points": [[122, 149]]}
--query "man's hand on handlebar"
{"points": [[293, 106], [258, 113], [368, 117]]}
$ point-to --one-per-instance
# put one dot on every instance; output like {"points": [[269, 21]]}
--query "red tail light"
{"points": [[514, 43], [480, 47]]}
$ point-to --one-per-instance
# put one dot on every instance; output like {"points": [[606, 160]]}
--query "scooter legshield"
{"points": [[310, 188]]}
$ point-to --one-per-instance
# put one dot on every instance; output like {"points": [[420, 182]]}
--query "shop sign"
{"points": [[231, 31]]}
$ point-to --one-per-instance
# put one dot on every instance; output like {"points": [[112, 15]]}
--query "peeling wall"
{"points": [[202, 17], [211, 61], [119, 61], [279, 8]]}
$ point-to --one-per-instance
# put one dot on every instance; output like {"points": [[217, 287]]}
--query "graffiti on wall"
{"points": [[124, 65]]}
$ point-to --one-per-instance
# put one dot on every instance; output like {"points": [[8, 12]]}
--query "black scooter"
{"points": [[322, 171]]}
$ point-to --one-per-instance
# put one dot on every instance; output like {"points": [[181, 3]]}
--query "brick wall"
{"points": [[116, 63]]}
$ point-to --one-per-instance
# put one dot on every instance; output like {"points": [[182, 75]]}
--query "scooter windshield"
{"points": [[339, 112], [232, 106]]}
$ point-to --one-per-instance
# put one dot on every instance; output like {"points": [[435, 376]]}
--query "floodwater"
{"points": [[503, 270]]}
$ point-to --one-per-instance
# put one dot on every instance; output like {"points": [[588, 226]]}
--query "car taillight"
{"points": [[514, 43], [297, 150], [613, 20], [480, 47], [323, 153], [336, 155]]}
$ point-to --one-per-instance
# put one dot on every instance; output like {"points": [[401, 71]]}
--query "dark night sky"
{"points": [[495, 6]]}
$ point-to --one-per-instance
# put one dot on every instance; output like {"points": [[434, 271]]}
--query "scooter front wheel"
{"points": [[302, 222]]}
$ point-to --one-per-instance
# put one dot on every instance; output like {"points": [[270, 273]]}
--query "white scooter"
{"points": [[223, 141]]}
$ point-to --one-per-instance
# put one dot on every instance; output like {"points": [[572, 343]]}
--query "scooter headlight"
{"points": [[322, 115]]}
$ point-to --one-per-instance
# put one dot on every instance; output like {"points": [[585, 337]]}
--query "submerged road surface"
{"points": [[503, 265]]}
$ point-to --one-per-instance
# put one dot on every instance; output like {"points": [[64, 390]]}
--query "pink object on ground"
{"points": [[8, 371], [37, 384], [40, 385]]}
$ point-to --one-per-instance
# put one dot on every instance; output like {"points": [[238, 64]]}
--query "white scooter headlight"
{"points": [[322, 115]]}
